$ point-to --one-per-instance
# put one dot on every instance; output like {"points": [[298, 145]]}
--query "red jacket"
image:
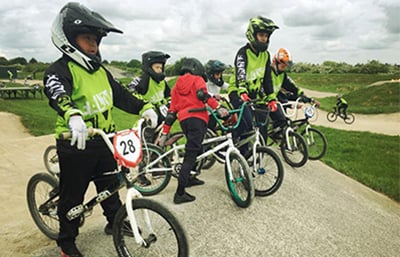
{"points": [[184, 98]]}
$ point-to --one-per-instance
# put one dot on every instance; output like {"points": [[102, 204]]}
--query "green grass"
{"points": [[372, 159], [338, 83], [369, 100], [369, 158]]}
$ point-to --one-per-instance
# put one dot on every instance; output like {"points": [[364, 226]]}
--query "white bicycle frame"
{"points": [[226, 140], [294, 113], [132, 193]]}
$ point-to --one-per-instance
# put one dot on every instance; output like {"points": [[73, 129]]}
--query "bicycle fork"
{"points": [[309, 136], [289, 145], [134, 194]]}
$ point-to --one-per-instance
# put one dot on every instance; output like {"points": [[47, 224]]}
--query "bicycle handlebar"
{"points": [[95, 131], [239, 111]]}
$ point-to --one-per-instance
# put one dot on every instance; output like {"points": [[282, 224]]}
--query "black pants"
{"points": [[194, 130], [77, 169], [342, 109]]}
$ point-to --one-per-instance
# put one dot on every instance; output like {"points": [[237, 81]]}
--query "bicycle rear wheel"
{"points": [[151, 183], [267, 172], [241, 186], [316, 143], [163, 234], [295, 151], [50, 159], [210, 160], [42, 196], [331, 116]]}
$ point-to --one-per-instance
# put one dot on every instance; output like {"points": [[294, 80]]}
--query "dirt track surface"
{"points": [[316, 212]]}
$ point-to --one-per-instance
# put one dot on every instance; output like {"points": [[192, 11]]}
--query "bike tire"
{"points": [[169, 238], [41, 188], [297, 156], [317, 143], [349, 119], [331, 116], [268, 171], [241, 188], [50, 159], [158, 180]]}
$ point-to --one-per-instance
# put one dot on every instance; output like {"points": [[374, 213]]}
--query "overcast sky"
{"points": [[351, 31]]}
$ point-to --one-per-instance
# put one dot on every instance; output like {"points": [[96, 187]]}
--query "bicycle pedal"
{"points": [[75, 212]]}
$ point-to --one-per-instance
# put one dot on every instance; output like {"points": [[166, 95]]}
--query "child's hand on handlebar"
{"points": [[272, 105], [317, 104], [222, 112], [79, 131], [244, 97], [151, 115]]}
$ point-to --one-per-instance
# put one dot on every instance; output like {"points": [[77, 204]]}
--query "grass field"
{"points": [[371, 159]]}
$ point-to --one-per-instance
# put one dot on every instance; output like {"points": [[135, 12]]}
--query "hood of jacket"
{"points": [[186, 83]]}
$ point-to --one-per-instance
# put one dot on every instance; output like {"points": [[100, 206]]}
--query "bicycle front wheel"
{"points": [[50, 159], [161, 231], [42, 196], [294, 149], [350, 118], [316, 143], [241, 185], [151, 183], [331, 116], [267, 171]]}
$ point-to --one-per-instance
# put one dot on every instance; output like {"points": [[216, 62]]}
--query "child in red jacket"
{"points": [[190, 92]]}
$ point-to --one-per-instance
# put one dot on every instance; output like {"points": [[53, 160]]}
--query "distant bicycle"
{"points": [[333, 115]]}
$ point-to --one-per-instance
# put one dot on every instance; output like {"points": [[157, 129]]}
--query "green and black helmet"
{"points": [[212, 67], [193, 66], [260, 24], [151, 57], [73, 19]]}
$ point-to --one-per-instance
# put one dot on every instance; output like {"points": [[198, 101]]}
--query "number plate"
{"points": [[127, 148]]}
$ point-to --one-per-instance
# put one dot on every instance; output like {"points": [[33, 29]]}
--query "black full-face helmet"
{"points": [[73, 19], [260, 24], [193, 66], [151, 57], [212, 67]]}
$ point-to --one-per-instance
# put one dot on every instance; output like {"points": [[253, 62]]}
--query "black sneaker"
{"points": [[185, 198], [194, 181], [127, 230], [69, 249]]}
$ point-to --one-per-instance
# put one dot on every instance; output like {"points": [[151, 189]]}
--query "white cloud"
{"points": [[352, 31]]}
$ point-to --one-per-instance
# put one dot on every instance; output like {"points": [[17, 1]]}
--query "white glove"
{"points": [[79, 131], [163, 110], [151, 115]]}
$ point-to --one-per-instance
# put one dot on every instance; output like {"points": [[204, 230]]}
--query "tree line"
{"points": [[133, 67]]}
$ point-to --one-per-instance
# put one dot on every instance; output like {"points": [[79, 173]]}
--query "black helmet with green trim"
{"points": [[151, 57], [193, 66], [260, 24], [212, 67], [74, 19]]}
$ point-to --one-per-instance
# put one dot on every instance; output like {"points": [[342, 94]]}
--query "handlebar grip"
{"points": [[68, 135], [65, 135]]}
